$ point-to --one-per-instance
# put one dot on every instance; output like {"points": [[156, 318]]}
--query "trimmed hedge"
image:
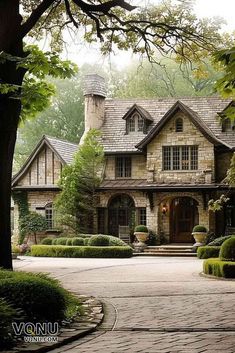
{"points": [[227, 251], [77, 242], [206, 252], [219, 241], [218, 268], [7, 316], [99, 240], [38, 298], [81, 251], [115, 241], [47, 241], [69, 241]]}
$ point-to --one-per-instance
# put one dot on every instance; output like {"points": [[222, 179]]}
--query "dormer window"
{"points": [[228, 125], [135, 123], [179, 125]]}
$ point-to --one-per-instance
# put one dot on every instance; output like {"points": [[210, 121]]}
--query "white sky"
{"points": [[203, 8]]}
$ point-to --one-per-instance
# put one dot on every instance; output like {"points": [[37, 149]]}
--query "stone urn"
{"points": [[200, 234], [142, 235]]}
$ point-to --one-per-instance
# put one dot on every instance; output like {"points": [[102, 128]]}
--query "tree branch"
{"points": [[105, 7]]}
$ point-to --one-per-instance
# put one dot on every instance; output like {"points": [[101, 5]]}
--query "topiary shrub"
{"points": [[47, 241], [61, 241], [86, 241], [114, 241], [219, 241], [38, 298], [82, 251], [69, 241], [200, 229], [218, 268], [77, 241], [227, 251], [7, 316], [206, 252], [141, 228], [99, 240], [54, 241]]}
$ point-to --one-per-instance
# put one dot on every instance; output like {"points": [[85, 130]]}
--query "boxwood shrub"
{"points": [[219, 241], [7, 316], [81, 251], [77, 241], [218, 268], [99, 240], [69, 241], [227, 251], [47, 241], [205, 252], [37, 297]]}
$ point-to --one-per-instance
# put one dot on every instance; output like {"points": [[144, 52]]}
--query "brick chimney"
{"points": [[94, 93]]}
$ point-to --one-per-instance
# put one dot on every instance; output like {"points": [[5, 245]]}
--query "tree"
{"points": [[77, 202], [33, 223], [165, 27]]}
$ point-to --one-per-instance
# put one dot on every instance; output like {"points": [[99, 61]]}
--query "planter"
{"points": [[142, 237], [200, 238]]}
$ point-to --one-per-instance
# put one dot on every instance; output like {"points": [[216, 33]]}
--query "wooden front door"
{"points": [[184, 216]]}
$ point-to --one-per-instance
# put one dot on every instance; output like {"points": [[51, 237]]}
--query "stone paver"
{"points": [[152, 305]]}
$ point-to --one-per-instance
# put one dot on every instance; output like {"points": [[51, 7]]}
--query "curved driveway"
{"points": [[152, 304]]}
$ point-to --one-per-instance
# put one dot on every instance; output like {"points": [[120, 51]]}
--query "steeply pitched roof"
{"points": [[64, 150], [192, 115], [204, 110], [137, 108]]}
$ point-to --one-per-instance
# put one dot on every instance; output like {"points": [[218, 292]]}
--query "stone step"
{"points": [[165, 253]]}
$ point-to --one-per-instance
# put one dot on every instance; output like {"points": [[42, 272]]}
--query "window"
{"points": [[180, 157], [123, 167], [142, 216], [179, 125], [227, 125], [49, 214], [135, 123]]}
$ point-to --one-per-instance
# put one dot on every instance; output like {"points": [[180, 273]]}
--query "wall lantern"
{"points": [[164, 209]]}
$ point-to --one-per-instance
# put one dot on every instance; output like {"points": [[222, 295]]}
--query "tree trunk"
{"points": [[9, 117]]}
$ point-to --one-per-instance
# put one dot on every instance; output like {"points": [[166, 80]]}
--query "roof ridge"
{"points": [[60, 140]]}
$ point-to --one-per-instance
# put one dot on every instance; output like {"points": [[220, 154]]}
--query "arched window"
{"points": [[135, 123], [49, 214], [131, 124], [179, 125]]}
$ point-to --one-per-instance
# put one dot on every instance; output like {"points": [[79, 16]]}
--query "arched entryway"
{"points": [[121, 212], [183, 217]]}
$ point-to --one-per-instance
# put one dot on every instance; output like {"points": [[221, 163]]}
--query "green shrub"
{"points": [[227, 251], [199, 228], [219, 241], [99, 240], [218, 268], [54, 241], [38, 298], [141, 228], [61, 241], [69, 241], [7, 316], [77, 242], [81, 251], [205, 252], [152, 239], [47, 241], [114, 241], [86, 241]]}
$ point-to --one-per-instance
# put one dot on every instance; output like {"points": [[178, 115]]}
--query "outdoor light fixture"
{"points": [[164, 209]]}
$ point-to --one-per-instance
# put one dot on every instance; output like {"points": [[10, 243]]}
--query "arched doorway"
{"points": [[183, 217], [121, 212]]}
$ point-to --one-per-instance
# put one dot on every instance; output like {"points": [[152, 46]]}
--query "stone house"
{"points": [[165, 158]]}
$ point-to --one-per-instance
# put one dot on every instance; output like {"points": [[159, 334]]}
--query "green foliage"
{"points": [[141, 228], [33, 223], [60, 241], [205, 252], [226, 84], [21, 199], [81, 251], [227, 251], [152, 238], [79, 181], [69, 241], [99, 240], [7, 316], [217, 205], [38, 298], [114, 241], [47, 241], [86, 241], [199, 228], [77, 241], [218, 268], [219, 241]]}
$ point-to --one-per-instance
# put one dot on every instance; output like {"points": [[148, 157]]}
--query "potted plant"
{"points": [[199, 233], [142, 234]]}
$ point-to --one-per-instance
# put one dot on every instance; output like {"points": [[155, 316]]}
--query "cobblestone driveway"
{"points": [[152, 305]]}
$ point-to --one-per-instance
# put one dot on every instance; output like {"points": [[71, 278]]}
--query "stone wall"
{"points": [[223, 161], [190, 136], [138, 167]]}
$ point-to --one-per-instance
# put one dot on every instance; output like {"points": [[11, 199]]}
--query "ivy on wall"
{"points": [[21, 199]]}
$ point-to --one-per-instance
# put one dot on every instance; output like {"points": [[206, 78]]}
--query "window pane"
{"points": [[176, 158], [166, 158], [194, 157], [127, 166], [131, 124], [185, 157], [123, 167], [140, 123], [49, 216], [142, 216], [179, 125]]}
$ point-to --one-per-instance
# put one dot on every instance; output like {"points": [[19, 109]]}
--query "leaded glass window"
{"points": [[180, 158]]}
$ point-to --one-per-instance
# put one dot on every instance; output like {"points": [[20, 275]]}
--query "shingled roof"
{"points": [[204, 109], [64, 150]]}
